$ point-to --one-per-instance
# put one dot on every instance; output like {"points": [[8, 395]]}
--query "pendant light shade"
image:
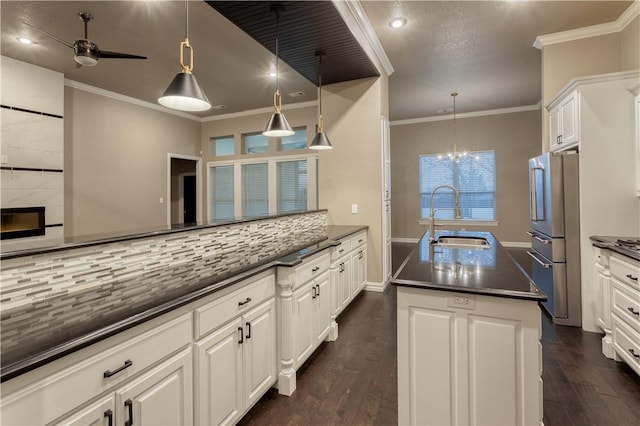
{"points": [[278, 126], [184, 92], [321, 141]]}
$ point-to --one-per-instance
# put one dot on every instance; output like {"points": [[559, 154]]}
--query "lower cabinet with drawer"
{"points": [[304, 314], [144, 380], [619, 317], [235, 355]]}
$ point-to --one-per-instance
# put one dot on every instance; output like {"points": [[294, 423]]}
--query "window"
{"points": [[292, 185], [296, 141], [221, 193], [255, 189], [255, 143], [473, 175], [223, 146], [250, 188]]}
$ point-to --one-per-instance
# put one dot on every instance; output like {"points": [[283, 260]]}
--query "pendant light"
{"points": [[184, 93], [455, 155], [321, 141], [278, 125]]}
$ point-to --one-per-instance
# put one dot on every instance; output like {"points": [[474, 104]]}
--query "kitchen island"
{"points": [[469, 331]]}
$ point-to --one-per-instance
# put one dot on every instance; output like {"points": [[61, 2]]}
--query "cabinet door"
{"points": [[100, 413], [303, 313], [162, 396], [569, 119], [219, 375], [323, 306], [345, 282], [359, 259], [259, 351], [554, 128]]}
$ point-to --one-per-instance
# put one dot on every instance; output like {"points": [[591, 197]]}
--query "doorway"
{"points": [[183, 190]]}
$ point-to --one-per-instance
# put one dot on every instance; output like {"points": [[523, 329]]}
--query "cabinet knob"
{"points": [[109, 415], [247, 300], [129, 406], [632, 278], [248, 330], [316, 269], [241, 330], [314, 292], [318, 287], [632, 352], [633, 311]]}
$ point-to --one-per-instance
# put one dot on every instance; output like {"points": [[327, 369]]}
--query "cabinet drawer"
{"points": [[247, 296], [311, 268], [625, 272], [47, 399], [626, 304], [360, 239], [342, 250], [626, 343]]}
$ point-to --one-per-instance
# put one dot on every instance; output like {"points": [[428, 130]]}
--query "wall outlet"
{"points": [[161, 200], [354, 209], [466, 301], [4, 159]]}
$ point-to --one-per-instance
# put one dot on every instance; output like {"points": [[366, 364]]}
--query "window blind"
{"points": [[292, 185], [473, 175], [222, 196], [255, 189]]}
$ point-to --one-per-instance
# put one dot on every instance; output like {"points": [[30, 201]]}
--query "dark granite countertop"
{"points": [[488, 271], [609, 243], [78, 336]]}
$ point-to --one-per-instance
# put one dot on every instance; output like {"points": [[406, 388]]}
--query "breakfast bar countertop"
{"points": [[487, 271], [31, 353]]}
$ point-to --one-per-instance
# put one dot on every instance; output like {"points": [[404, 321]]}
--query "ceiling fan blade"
{"points": [[118, 55], [58, 39]]}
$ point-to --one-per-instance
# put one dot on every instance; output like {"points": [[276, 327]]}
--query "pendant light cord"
{"points": [[277, 53], [320, 119], [186, 19], [455, 133]]}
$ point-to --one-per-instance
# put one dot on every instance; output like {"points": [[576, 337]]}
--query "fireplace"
{"points": [[21, 222]]}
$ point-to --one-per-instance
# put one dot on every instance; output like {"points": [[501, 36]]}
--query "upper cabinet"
{"points": [[635, 89], [563, 122]]}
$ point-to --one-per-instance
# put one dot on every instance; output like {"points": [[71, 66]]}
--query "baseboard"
{"points": [[405, 240], [377, 287], [516, 244]]}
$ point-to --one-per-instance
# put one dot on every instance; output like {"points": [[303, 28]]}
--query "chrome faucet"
{"points": [[432, 212]]}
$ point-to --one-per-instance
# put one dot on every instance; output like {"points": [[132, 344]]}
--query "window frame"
{"points": [[213, 146], [312, 181], [243, 144], [472, 222], [295, 129]]}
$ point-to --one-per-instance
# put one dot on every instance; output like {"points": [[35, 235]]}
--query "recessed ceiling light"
{"points": [[24, 40], [296, 94], [398, 23]]}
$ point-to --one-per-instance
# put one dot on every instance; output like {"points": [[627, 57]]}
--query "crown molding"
{"points": [[120, 97], [592, 31], [467, 115], [257, 111], [358, 23]]}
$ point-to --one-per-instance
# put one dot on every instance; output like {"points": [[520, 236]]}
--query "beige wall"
{"points": [[116, 162], [630, 38], [515, 138], [351, 173]]}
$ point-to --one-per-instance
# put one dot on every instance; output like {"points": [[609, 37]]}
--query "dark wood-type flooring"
{"points": [[353, 381]]}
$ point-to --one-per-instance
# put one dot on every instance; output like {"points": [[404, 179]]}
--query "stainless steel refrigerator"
{"points": [[555, 234]]}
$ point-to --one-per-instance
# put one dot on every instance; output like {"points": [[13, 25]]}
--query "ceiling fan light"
{"points": [[185, 94], [85, 60], [278, 126], [321, 141]]}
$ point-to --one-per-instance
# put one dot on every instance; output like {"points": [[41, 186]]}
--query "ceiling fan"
{"points": [[85, 51]]}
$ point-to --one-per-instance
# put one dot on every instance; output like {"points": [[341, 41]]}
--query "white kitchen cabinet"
{"points": [[359, 262], [304, 315], [563, 122], [99, 413], [346, 277], [635, 89], [162, 396], [235, 351], [468, 359], [603, 305], [51, 392]]}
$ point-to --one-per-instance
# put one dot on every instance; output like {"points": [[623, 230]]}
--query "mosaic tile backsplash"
{"points": [[50, 298]]}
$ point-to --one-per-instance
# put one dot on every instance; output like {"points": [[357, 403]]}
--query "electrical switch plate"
{"points": [[354, 209], [161, 200], [464, 301]]}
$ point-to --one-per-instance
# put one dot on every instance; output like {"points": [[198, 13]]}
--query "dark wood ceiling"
{"points": [[305, 28]]}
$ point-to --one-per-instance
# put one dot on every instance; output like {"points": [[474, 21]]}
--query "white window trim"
{"points": [[460, 222], [312, 184]]}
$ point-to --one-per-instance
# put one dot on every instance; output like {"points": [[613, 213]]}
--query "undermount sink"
{"points": [[455, 241]]}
